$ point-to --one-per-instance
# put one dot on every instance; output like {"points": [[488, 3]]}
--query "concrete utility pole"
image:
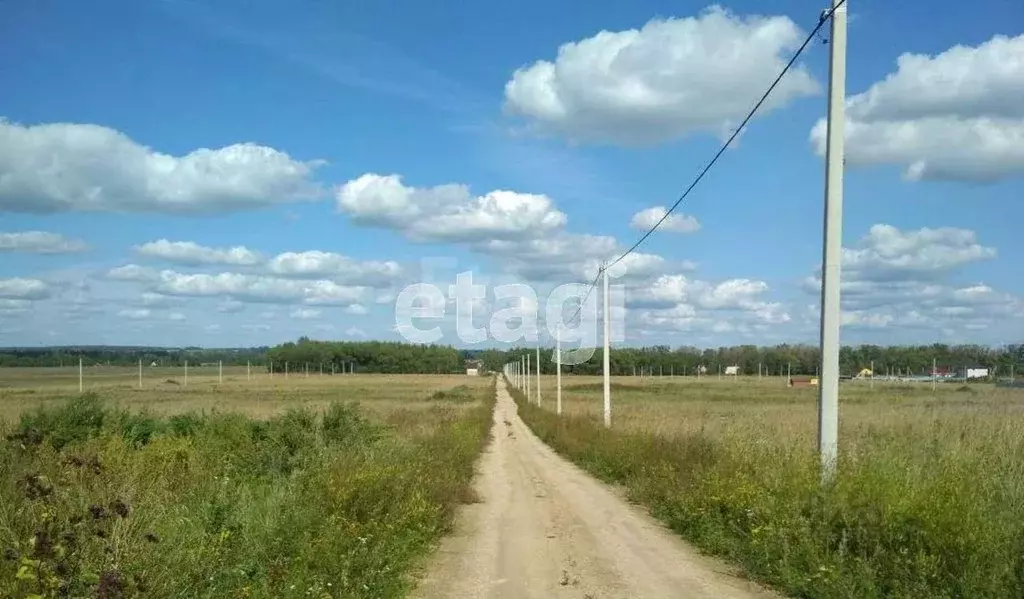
{"points": [[538, 376], [872, 384], [220, 372], [248, 371], [558, 375], [528, 377], [607, 357], [934, 375], [81, 381], [186, 373], [828, 383], [140, 373]]}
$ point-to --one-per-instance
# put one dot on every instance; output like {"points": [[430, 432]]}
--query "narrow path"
{"points": [[545, 529]]}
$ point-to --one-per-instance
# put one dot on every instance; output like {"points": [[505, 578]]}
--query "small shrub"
{"points": [[184, 425], [138, 429], [459, 394], [78, 419], [342, 423]]}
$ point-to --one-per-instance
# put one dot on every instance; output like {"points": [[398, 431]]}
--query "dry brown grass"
{"points": [[767, 408], [164, 391]]}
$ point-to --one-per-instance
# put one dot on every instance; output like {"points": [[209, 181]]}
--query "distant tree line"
{"points": [[798, 359], [128, 356], [366, 356], [396, 358]]}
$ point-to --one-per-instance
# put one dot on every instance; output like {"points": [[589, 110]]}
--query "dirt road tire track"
{"points": [[545, 529]]}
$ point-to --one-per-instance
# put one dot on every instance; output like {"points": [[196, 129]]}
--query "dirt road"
{"points": [[544, 529]]}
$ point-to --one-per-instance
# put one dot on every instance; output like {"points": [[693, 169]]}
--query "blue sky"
{"points": [[313, 137]]}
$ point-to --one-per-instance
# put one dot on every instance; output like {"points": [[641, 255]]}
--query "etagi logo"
{"points": [[517, 322]]}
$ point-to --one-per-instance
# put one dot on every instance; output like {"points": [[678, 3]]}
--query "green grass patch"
{"points": [[920, 509], [100, 502], [459, 394]]}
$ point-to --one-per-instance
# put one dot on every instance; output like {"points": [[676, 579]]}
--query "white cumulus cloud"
{"points": [[957, 115], [446, 212], [40, 242], [318, 264], [58, 167], [193, 254], [255, 288], [133, 272], [668, 79], [676, 223], [24, 289], [896, 278], [887, 252]]}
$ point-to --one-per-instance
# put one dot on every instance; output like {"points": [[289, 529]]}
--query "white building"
{"points": [[732, 370], [977, 373]]}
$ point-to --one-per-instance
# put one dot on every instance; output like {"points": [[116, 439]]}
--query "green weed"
{"points": [[97, 502]]}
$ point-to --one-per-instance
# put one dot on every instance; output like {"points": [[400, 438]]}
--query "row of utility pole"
{"points": [[346, 368], [519, 372], [521, 375]]}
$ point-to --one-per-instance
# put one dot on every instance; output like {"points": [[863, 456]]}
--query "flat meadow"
{"points": [[928, 500], [250, 486]]}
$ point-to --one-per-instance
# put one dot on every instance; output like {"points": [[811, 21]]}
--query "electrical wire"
{"points": [[824, 18]]}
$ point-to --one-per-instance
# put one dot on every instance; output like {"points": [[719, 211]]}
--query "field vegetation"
{"points": [[929, 500], [311, 487]]}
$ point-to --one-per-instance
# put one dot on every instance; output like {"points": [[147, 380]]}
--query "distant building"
{"points": [[472, 372], [732, 370], [977, 373], [803, 381], [473, 367]]}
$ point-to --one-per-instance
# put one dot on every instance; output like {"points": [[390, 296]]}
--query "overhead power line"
{"points": [[824, 18]]}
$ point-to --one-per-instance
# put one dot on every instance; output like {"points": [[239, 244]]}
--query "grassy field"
{"points": [[165, 392], [250, 488], [929, 500]]}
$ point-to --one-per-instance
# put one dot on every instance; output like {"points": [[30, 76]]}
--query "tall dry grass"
{"points": [[929, 501], [101, 501]]}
